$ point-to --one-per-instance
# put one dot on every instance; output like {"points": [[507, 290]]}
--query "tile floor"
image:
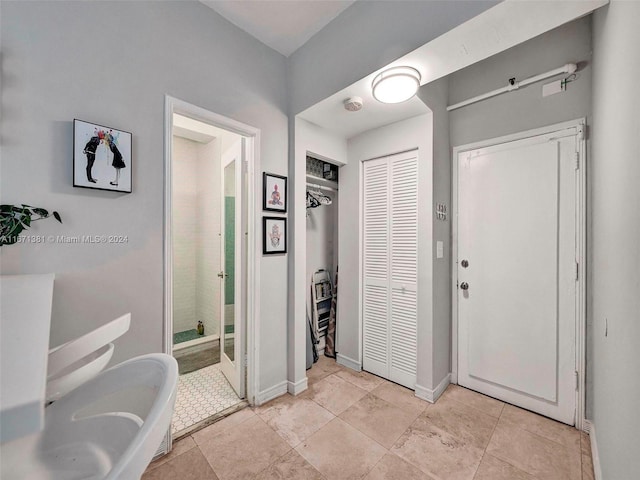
{"points": [[350, 425], [201, 394]]}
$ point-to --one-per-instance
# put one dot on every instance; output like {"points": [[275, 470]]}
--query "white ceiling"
{"points": [[497, 29], [284, 25]]}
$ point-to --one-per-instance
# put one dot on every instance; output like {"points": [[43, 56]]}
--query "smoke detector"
{"points": [[353, 104]]}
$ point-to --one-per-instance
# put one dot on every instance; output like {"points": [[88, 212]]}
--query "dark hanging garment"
{"points": [[330, 338], [312, 351]]}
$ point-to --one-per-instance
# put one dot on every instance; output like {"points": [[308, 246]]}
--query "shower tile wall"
{"points": [[196, 217], [208, 241], [185, 158]]}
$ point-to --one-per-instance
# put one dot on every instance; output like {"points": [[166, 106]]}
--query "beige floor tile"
{"points": [[534, 454], [492, 468], [392, 467], [485, 404], [339, 451], [244, 450], [179, 448], [587, 468], [460, 420], [362, 379], [324, 367], [294, 419], [437, 452], [223, 425], [400, 397], [587, 460], [585, 443], [378, 419], [190, 465], [334, 394], [545, 427], [291, 466]]}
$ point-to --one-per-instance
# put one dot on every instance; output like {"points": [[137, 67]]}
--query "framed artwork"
{"points": [[101, 157], [274, 192], [274, 235]]}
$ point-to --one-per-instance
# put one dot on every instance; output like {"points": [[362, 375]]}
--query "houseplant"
{"points": [[14, 219]]}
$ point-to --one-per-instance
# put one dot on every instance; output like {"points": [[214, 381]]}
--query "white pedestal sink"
{"points": [[105, 426], [108, 428]]}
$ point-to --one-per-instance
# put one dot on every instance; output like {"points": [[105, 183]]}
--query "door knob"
{"points": [[222, 274], [464, 286]]}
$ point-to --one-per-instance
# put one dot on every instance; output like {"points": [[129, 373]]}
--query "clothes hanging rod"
{"points": [[514, 85], [322, 187]]}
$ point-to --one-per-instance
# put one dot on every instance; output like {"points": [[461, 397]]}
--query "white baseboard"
{"points": [[432, 395], [296, 388], [270, 393], [591, 429], [348, 362]]}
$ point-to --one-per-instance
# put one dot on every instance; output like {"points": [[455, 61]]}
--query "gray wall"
{"points": [[112, 63], [522, 109], [615, 260], [365, 37], [435, 96]]}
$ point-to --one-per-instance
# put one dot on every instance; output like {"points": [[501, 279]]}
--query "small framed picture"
{"points": [[274, 231], [274, 192], [101, 157]]}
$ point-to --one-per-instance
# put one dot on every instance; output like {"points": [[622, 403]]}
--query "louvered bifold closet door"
{"points": [[404, 268], [390, 267], [375, 358]]}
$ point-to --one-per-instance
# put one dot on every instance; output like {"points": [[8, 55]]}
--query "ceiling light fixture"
{"points": [[396, 84]]}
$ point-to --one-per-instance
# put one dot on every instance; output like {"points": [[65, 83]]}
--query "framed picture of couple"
{"points": [[101, 157]]}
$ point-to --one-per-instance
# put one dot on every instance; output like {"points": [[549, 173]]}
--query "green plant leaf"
{"points": [[41, 211]]}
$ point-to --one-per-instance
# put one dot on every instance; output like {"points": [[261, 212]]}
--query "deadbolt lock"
{"points": [[464, 263]]}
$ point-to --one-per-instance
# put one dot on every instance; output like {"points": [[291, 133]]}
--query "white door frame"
{"points": [[252, 135], [581, 204]]}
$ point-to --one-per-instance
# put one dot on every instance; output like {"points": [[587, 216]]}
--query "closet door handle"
{"points": [[222, 275]]}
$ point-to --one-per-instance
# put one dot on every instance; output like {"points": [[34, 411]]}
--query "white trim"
{"points": [[173, 105], [432, 396], [360, 266], [196, 341], [581, 128], [296, 388], [348, 362], [270, 393], [590, 428]]}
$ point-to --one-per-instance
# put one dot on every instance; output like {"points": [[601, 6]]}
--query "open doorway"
{"points": [[209, 265]]}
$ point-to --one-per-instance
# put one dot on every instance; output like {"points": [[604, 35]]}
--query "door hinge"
{"points": [[577, 271], [577, 158], [576, 377]]}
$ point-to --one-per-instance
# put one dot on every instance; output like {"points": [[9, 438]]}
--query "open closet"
{"points": [[322, 253]]}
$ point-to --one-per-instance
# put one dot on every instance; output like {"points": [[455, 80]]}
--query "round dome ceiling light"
{"points": [[396, 85]]}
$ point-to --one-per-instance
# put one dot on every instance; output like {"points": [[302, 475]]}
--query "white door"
{"points": [[232, 335], [517, 272], [390, 214]]}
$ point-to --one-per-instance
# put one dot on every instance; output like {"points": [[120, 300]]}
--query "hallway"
{"points": [[350, 425]]}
